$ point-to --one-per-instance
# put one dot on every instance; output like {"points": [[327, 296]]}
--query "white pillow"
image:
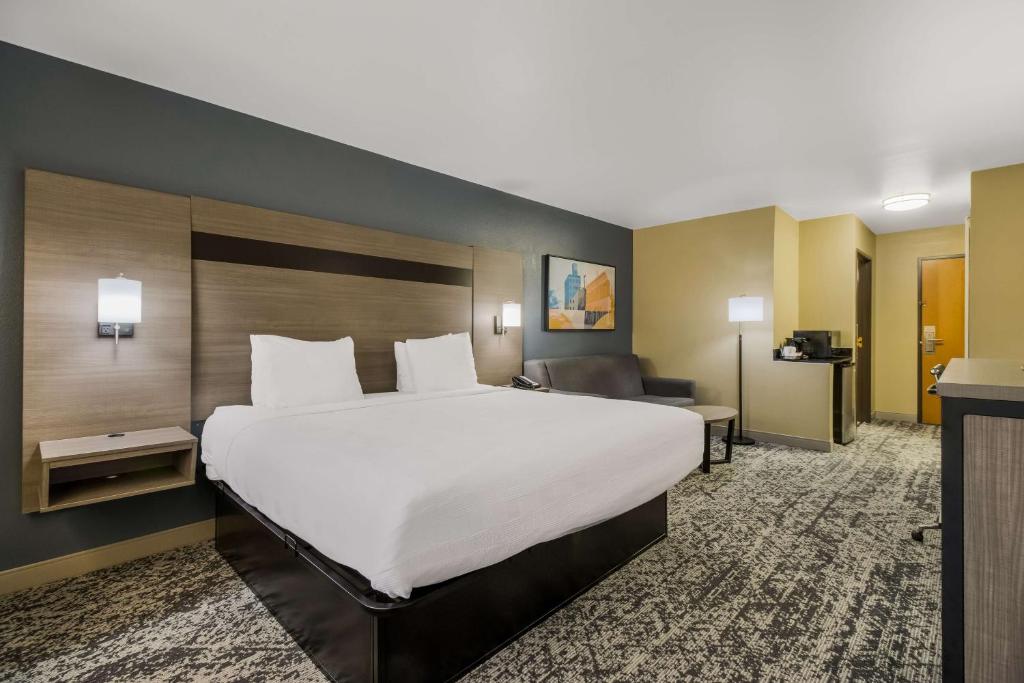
{"points": [[404, 382], [442, 363], [291, 372]]}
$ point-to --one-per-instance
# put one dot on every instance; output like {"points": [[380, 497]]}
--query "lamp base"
{"points": [[739, 440]]}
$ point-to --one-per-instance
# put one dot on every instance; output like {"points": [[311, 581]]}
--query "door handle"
{"points": [[860, 342]]}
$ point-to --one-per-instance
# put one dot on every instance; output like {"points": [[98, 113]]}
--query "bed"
{"points": [[408, 537], [402, 538]]}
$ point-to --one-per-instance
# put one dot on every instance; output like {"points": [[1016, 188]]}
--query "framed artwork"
{"points": [[580, 295]]}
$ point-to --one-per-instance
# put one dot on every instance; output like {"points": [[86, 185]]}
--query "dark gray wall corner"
{"points": [[62, 117]]}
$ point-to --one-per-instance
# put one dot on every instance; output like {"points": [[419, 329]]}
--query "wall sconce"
{"points": [[511, 316], [119, 308]]}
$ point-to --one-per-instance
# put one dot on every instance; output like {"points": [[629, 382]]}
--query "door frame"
{"points": [[917, 331], [860, 259]]}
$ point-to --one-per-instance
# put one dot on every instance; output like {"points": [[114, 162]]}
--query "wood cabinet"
{"points": [[983, 521], [993, 548]]}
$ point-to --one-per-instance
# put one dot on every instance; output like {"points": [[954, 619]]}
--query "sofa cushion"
{"points": [[575, 393], [614, 376], [679, 401]]}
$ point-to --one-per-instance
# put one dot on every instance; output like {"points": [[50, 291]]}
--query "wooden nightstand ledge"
{"points": [[92, 469]]}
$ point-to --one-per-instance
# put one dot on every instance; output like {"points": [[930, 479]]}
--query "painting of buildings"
{"points": [[580, 295]]}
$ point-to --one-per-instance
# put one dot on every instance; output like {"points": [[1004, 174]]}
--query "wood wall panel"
{"points": [[232, 301], [238, 220], [497, 277], [75, 383], [993, 548]]}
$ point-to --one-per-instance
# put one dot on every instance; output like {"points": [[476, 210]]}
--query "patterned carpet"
{"points": [[787, 565]]}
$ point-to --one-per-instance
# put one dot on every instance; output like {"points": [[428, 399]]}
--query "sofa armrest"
{"points": [[666, 386]]}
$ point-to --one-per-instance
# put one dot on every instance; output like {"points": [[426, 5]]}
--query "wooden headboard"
{"points": [[75, 383], [268, 272], [252, 271]]}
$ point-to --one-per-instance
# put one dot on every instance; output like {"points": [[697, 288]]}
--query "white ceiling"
{"points": [[638, 113]]}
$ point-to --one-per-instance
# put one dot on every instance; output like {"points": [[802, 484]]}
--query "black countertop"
{"points": [[844, 355]]}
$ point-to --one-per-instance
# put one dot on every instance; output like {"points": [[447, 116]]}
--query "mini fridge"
{"points": [[844, 412]]}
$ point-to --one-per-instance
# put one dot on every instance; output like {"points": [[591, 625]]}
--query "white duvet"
{"points": [[413, 489]]}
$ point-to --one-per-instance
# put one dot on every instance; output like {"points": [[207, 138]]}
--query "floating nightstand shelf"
{"points": [[93, 469]]}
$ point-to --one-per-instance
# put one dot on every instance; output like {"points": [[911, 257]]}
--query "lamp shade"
{"points": [[511, 314], [120, 300], [744, 309]]}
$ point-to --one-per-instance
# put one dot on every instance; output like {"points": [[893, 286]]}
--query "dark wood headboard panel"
{"points": [[267, 272]]}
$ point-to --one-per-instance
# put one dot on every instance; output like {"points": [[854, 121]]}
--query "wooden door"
{"points": [[862, 369], [941, 328]]}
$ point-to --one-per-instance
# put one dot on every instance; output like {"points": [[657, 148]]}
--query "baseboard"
{"points": [[894, 417], [782, 439], [85, 561]]}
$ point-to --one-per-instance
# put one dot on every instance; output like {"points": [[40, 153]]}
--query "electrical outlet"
{"points": [[107, 330]]}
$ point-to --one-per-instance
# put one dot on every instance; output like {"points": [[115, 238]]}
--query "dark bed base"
{"points": [[441, 631]]}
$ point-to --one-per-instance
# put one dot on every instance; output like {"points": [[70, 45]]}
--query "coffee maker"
{"points": [[795, 348], [820, 343]]}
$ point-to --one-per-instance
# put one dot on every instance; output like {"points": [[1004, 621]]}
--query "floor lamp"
{"points": [[743, 309]]}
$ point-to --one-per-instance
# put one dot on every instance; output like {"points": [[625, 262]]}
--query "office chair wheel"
{"points": [[918, 533]]}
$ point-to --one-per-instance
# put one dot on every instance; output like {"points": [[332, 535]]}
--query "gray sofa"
{"points": [[610, 376]]}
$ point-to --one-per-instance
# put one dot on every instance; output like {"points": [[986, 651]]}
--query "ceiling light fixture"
{"points": [[906, 202]]}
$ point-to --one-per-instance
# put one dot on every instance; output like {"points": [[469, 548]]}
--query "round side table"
{"points": [[712, 414]]}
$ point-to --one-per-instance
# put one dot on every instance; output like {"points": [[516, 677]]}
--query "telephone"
{"points": [[523, 382]]}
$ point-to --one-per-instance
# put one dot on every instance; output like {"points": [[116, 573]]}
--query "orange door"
{"points": [[941, 336]]}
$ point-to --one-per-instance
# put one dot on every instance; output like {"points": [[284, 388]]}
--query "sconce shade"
{"points": [[511, 314], [120, 300], [743, 309]]}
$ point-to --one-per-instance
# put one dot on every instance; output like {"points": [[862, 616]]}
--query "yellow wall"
{"points": [[896, 272], [683, 276], [864, 238], [828, 273], [786, 276], [996, 263]]}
